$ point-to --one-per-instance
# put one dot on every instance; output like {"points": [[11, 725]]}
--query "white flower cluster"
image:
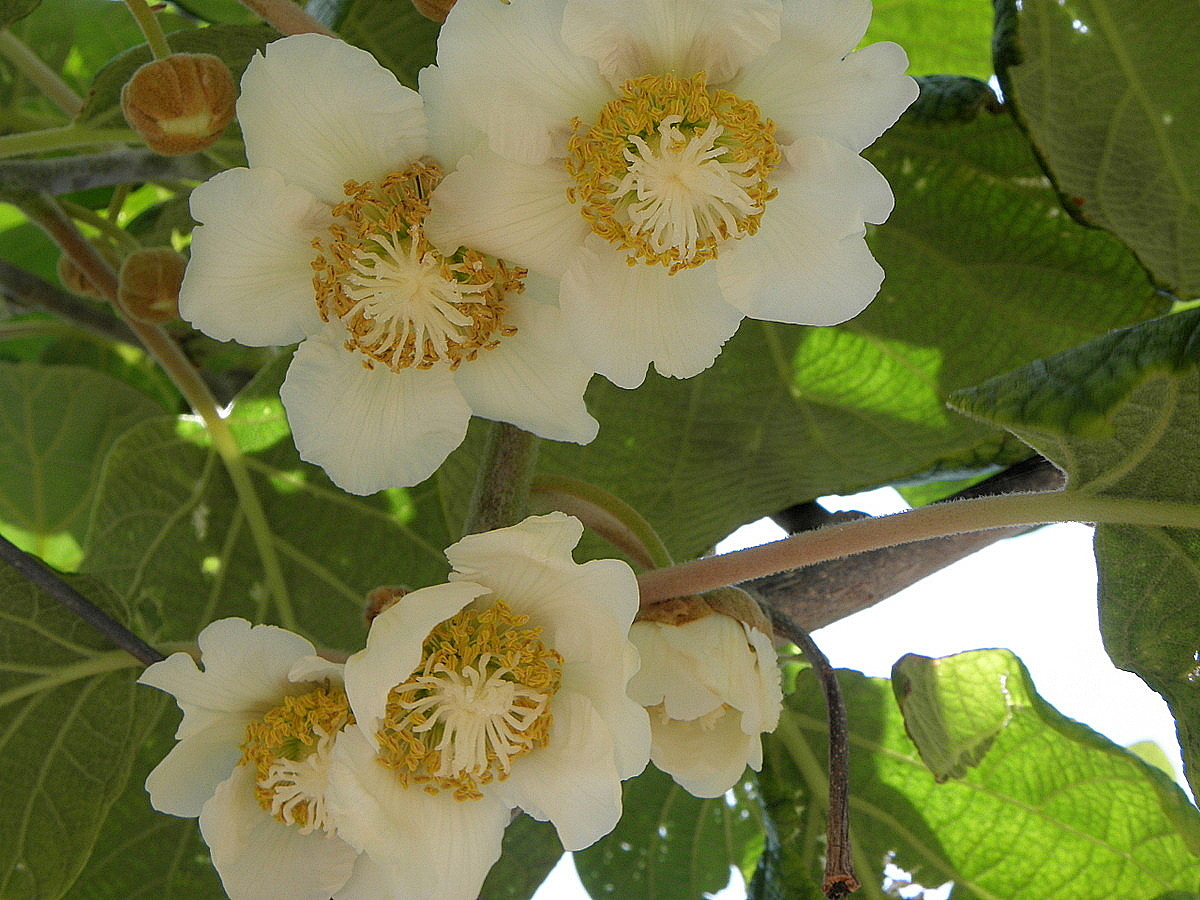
{"points": [[582, 186]]}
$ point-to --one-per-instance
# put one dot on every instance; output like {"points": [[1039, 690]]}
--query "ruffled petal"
{"points": [[624, 317], [432, 846], [532, 379], [186, 777], [629, 38], [852, 100], [322, 112], [705, 762], [572, 780], [673, 678], [370, 429], [394, 646], [517, 212], [809, 263], [250, 278], [260, 858], [526, 113], [594, 677]]}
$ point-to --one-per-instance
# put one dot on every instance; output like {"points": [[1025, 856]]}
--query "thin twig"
{"points": [[67, 174], [840, 879], [27, 291], [50, 582]]}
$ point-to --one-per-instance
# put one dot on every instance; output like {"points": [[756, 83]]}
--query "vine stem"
{"points": [[151, 28], [286, 17], [501, 495], [66, 137], [47, 214], [936, 520], [45, 78]]}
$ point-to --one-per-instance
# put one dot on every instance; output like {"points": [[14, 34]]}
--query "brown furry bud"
{"points": [[75, 281], [434, 9], [726, 601], [180, 104], [381, 598], [148, 289]]}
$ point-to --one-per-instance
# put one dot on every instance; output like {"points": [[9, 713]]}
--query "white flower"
{"points": [[712, 687], [679, 164], [321, 241], [504, 688], [260, 721]]}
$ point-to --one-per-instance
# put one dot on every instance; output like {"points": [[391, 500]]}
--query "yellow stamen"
{"points": [[403, 303], [671, 168], [479, 699], [290, 749]]}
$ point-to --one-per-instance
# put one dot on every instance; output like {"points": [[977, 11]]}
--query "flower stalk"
{"points": [[67, 137], [501, 496], [286, 17], [152, 29], [936, 520], [46, 79]]}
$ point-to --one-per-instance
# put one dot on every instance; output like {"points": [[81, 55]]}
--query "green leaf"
{"points": [[668, 845], [955, 707], [531, 849], [1052, 810], [789, 413], [1117, 127], [15, 10], [71, 719], [396, 34], [235, 45], [1122, 416], [56, 425], [940, 36], [168, 532]]}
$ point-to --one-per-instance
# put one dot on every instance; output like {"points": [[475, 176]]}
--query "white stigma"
{"points": [[405, 293], [302, 784], [684, 194], [479, 714]]}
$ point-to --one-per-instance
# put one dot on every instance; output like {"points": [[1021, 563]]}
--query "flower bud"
{"points": [[180, 104], [148, 288], [711, 684], [75, 281], [434, 9], [380, 599]]}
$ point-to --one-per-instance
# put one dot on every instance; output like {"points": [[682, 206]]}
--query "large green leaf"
{"points": [[71, 719], [169, 534], [941, 36], [984, 273], [1122, 416], [1117, 128], [56, 425], [1052, 810], [397, 35], [668, 845], [530, 850]]}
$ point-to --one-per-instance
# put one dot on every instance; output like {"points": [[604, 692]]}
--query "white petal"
{"points": [[510, 73], [533, 379], [765, 717], [433, 846], [249, 278], [851, 100], [260, 858], [320, 112], [809, 263], [705, 763], [370, 429], [451, 134], [624, 317], [186, 778], [316, 669], [671, 677], [572, 780], [604, 686], [517, 212], [368, 881], [629, 38], [394, 646], [826, 27]]}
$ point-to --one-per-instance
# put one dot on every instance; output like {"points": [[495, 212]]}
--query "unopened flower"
{"points": [[504, 688], [321, 240], [148, 286], [679, 164], [260, 722], [711, 683], [180, 104]]}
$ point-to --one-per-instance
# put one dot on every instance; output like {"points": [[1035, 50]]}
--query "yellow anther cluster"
{"points": [[404, 304], [479, 698], [602, 156], [291, 733]]}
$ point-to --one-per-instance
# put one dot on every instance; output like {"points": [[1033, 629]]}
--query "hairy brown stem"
{"points": [[501, 496]]}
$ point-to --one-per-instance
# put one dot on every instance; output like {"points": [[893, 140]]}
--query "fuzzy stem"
{"points": [[936, 520], [286, 17], [501, 496], [46, 79], [65, 138], [152, 29]]}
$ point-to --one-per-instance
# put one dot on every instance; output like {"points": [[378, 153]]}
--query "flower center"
{"points": [[403, 303], [290, 748], [671, 168], [479, 698]]}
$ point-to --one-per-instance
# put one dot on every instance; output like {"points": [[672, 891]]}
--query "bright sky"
{"points": [[1034, 594]]}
